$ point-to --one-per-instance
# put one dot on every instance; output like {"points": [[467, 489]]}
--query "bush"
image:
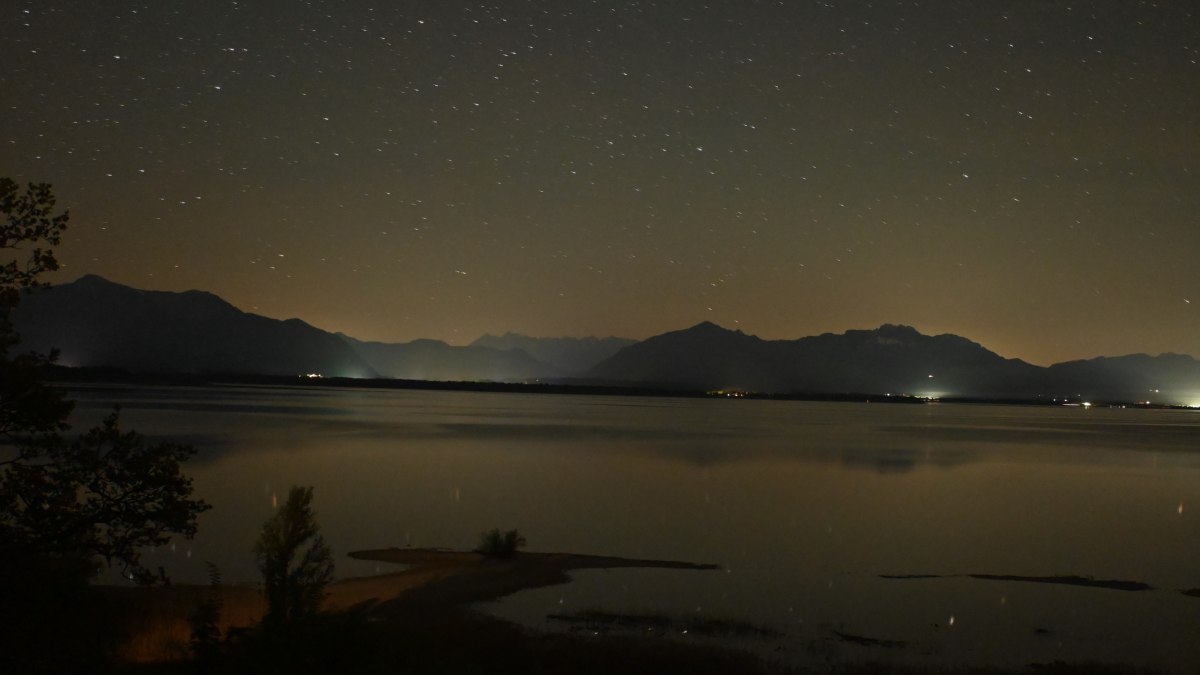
{"points": [[492, 544]]}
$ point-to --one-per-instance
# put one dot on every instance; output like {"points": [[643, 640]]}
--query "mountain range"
{"points": [[94, 322]]}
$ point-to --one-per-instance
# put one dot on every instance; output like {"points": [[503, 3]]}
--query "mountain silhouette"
{"points": [[436, 360], [95, 322], [704, 356], [1134, 377], [567, 355], [890, 359]]}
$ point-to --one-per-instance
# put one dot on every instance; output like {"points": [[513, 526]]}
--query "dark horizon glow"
{"points": [[1023, 174]]}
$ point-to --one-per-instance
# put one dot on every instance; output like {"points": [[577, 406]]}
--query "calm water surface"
{"points": [[805, 505]]}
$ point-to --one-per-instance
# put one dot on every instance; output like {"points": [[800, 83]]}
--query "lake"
{"points": [[808, 507]]}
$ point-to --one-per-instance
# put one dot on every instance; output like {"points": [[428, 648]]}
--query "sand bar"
{"points": [[443, 580]]}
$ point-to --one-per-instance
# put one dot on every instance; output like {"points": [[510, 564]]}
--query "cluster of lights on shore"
{"points": [[928, 395]]}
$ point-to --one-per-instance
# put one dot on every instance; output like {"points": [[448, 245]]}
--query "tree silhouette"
{"points": [[31, 227], [294, 580], [66, 504], [29, 409], [103, 495]]}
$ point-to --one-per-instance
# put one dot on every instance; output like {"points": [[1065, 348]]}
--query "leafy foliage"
{"points": [[493, 544], [30, 226], [27, 405], [107, 493], [103, 495], [66, 504], [294, 559]]}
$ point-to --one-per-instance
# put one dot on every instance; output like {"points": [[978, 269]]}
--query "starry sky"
{"points": [[1025, 174]]}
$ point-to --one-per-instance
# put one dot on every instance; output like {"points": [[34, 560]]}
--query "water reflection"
{"points": [[696, 432], [805, 504], [895, 460]]}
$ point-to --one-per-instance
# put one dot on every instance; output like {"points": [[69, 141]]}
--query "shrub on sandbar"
{"points": [[493, 544]]}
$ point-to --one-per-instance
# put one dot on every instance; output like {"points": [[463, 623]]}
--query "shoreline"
{"points": [[98, 377], [425, 610], [431, 596]]}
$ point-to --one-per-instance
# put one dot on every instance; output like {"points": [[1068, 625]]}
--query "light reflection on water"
{"points": [[805, 504]]}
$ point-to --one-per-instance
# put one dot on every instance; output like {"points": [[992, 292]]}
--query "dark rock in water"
{"points": [[869, 641], [1070, 580]]}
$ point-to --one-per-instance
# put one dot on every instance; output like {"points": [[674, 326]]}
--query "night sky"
{"points": [[1025, 174]]}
